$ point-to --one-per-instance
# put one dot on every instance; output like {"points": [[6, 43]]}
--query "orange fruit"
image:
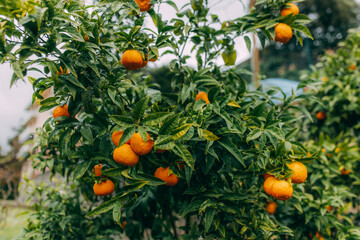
{"points": [[281, 190], [98, 170], [344, 171], [268, 184], [139, 146], [86, 38], [132, 60], [271, 208], [300, 172], [323, 150], [203, 96], [144, 5], [144, 64], [321, 115], [337, 150], [329, 155], [266, 175], [104, 188], [61, 111], [290, 9], [325, 79], [116, 136], [328, 207], [123, 224], [125, 156], [283, 33], [319, 236], [352, 67], [163, 174]]}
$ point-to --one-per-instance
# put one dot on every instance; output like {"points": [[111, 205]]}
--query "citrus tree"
{"points": [[329, 200], [187, 162]]}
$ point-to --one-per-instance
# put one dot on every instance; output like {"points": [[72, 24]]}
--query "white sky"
{"points": [[14, 101]]}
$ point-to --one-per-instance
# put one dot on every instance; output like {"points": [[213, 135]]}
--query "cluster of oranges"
{"points": [[282, 189], [283, 32], [128, 154]]}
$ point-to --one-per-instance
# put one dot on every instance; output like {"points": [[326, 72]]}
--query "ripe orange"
{"points": [[321, 115], [125, 156], [203, 96], [328, 207], [116, 136], [344, 171], [319, 236], [352, 67], [98, 170], [290, 9], [144, 5], [144, 64], [268, 184], [325, 79], [132, 60], [163, 174], [300, 172], [139, 146], [61, 111], [283, 33], [281, 190], [104, 188], [337, 150], [271, 208], [266, 175], [86, 38]]}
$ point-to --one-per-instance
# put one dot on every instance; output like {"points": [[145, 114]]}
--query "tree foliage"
{"points": [[225, 145]]}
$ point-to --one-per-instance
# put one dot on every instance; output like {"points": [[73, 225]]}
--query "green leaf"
{"points": [[209, 216], [169, 124], [81, 168], [155, 118], [102, 208], [114, 172], [209, 135], [182, 152], [180, 131], [133, 187], [86, 133], [228, 145], [248, 43], [127, 134], [254, 134], [117, 212], [140, 108], [152, 181], [122, 120], [302, 29]]}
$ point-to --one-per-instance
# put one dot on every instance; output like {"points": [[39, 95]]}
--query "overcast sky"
{"points": [[14, 101]]}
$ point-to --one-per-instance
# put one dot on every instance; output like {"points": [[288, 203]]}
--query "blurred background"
{"points": [[20, 118]]}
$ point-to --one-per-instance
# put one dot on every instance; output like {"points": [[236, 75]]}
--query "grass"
{"points": [[15, 221]]}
